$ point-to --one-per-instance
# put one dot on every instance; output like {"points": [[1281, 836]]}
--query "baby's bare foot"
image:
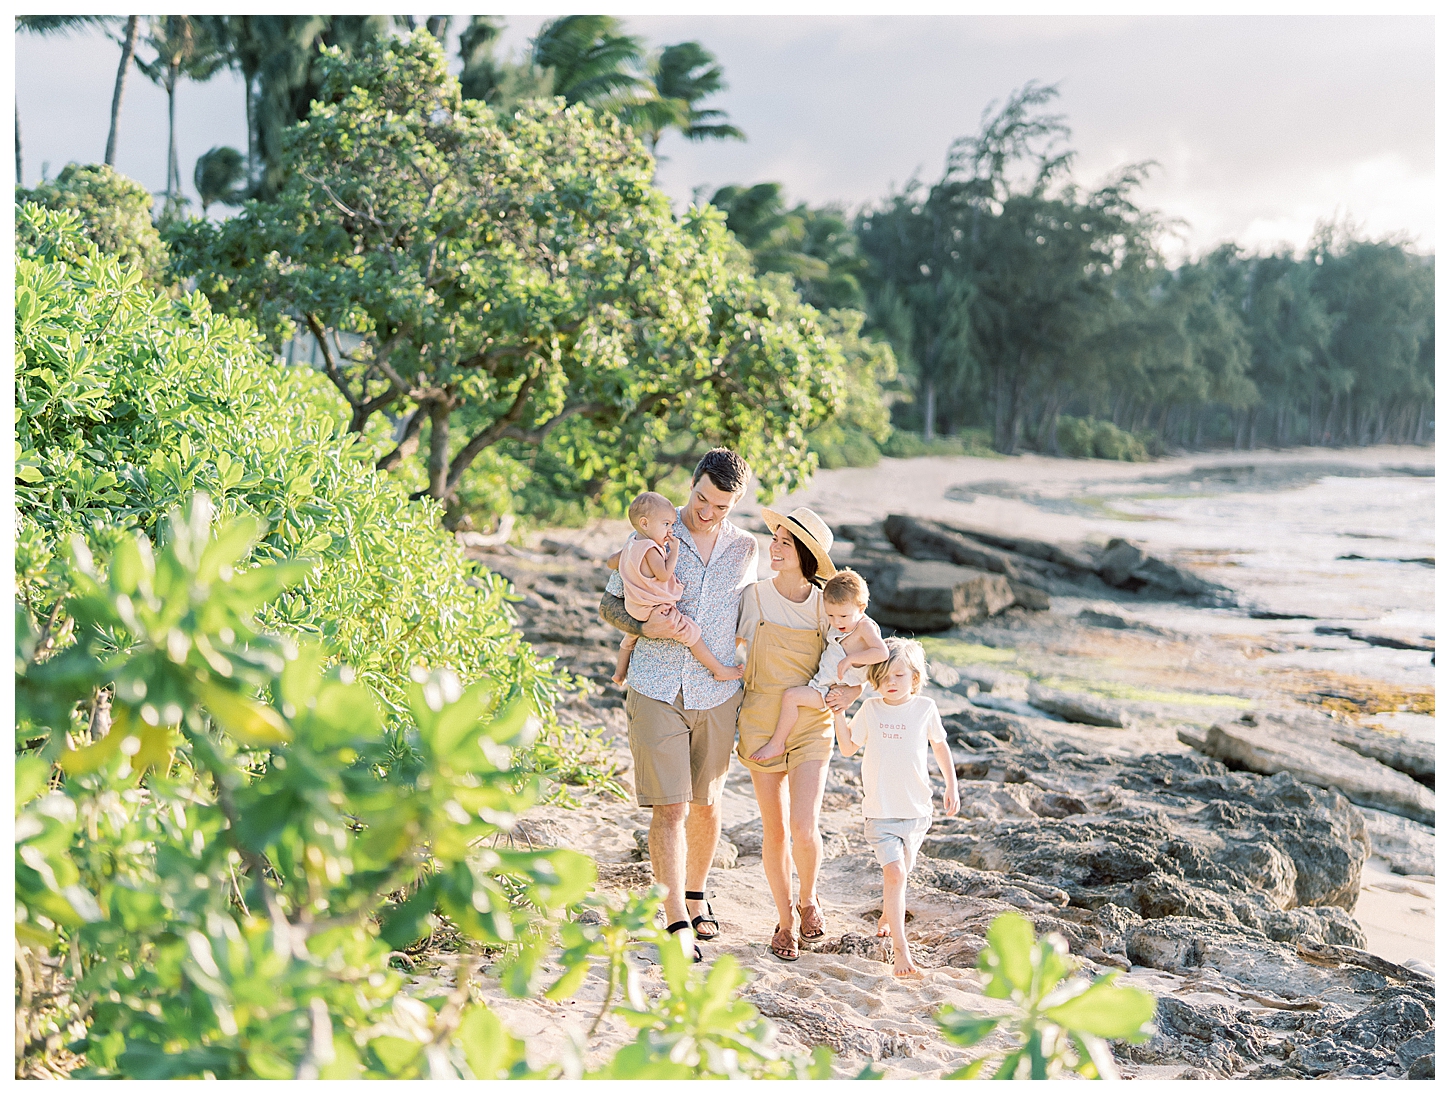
{"points": [[728, 673]]}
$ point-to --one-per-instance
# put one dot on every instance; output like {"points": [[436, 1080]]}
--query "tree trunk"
{"points": [[928, 427], [128, 54], [173, 167], [407, 443], [438, 415]]}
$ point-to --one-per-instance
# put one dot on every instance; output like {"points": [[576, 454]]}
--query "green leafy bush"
{"points": [[206, 834], [904, 443], [219, 852], [114, 211], [127, 403], [1060, 1022], [1083, 437]]}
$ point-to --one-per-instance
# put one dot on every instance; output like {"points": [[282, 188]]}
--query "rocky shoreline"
{"points": [[1221, 868]]}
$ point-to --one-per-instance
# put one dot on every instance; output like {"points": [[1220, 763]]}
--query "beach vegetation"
{"points": [[1060, 1023]]}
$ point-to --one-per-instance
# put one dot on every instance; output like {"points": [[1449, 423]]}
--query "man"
{"points": [[682, 720]]}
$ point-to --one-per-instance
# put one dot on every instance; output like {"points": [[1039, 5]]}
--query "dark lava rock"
{"points": [[1127, 566], [1369, 1042], [915, 596]]}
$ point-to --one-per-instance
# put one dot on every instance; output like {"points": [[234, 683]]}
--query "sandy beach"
{"points": [[1274, 527]]}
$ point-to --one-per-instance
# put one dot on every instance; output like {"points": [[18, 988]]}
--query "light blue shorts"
{"points": [[894, 838]]}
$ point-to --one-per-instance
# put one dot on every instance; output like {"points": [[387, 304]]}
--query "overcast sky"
{"points": [[1261, 125]]}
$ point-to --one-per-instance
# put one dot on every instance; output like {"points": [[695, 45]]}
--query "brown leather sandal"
{"points": [[813, 926], [786, 951]]}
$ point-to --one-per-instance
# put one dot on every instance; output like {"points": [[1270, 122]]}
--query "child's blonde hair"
{"points": [[847, 588], [909, 651], [645, 503]]}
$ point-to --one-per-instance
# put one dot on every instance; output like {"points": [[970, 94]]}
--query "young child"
{"points": [[647, 568], [854, 643], [895, 728]]}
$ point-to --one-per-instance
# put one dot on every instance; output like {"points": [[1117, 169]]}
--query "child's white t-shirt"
{"points": [[897, 740]]}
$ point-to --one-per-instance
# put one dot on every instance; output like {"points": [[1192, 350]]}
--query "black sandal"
{"points": [[681, 925], [707, 917]]}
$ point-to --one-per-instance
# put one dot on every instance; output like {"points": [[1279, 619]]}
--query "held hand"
{"points": [[842, 696]]}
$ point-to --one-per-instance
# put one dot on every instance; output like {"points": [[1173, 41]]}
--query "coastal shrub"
{"points": [[114, 211], [906, 444], [1090, 437], [127, 403], [1059, 1022], [211, 845]]}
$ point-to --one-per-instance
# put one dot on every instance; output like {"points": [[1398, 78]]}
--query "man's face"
{"points": [[708, 505]]}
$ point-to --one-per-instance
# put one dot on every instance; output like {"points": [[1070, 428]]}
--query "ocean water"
{"points": [[1285, 551]]}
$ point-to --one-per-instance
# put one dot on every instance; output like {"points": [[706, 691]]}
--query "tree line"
{"points": [[1006, 300], [1015, 296]]}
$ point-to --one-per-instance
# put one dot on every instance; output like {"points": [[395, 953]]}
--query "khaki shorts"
{"points": [[679, 755]]}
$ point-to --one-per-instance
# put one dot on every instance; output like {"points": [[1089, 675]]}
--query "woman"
{"points": [[783, 628]]}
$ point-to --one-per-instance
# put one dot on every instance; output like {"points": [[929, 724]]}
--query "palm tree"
{"points": [[220, 177], [128, 54], [682, 76], [63, 24], [593, 61], [185, 48]]}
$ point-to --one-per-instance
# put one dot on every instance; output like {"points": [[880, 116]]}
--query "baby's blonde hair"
{"points": [[909, 651], [847, 588], [645, 503]]}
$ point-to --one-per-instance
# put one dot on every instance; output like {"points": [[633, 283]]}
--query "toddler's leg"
{"points": [[621, 661], [791, 701], [893, 911]]}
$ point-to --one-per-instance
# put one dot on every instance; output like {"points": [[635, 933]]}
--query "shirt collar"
{"points": [[685, 537]]}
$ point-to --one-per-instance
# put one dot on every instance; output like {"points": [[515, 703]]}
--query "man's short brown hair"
{"points": [[847, 588], [726, 469]]}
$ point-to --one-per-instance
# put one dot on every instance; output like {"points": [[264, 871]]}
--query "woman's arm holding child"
{"points": [[951, 801]]}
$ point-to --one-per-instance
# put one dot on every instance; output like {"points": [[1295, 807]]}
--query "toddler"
{"points": [[647, 568], [853, 643], [895, 728]]}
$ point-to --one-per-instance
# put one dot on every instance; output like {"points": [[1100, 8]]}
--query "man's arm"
{"points": [[613, 612]]}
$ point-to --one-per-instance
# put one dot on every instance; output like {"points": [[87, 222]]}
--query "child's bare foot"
{"points": [[883, 929], [728, 672], [769, 751], [905, 967]]}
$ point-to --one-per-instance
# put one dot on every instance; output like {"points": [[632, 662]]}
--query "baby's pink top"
{"points": [[641, 592]]}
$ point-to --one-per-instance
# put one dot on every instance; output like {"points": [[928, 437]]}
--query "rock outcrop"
{"points": [[917, 596], [1313, 759]]}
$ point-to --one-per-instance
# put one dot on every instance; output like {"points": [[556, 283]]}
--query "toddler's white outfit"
{"points": [[897, 803], [831, 658]]}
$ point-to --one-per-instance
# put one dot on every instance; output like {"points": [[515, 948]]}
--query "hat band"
{"points": [[810, 536]]}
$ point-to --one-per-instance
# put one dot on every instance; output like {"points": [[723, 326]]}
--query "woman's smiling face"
{"points": [[783, 553]]}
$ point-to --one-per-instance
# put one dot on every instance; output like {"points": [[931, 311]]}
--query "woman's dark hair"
{"points": [[810, 568]]}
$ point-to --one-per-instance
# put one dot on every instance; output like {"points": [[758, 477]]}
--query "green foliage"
{"points": [[906, 444], [1090, 437], [522, 282], [128, 403], [1060, 1022], [114, 212], [219, 857], [220, 177]]}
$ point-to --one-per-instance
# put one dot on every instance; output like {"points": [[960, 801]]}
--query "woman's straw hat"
{"points": [[810, 530]]}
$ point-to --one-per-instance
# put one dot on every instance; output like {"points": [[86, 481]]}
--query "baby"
{"points": [[896, 728], [854, 642], [647, 568]]}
